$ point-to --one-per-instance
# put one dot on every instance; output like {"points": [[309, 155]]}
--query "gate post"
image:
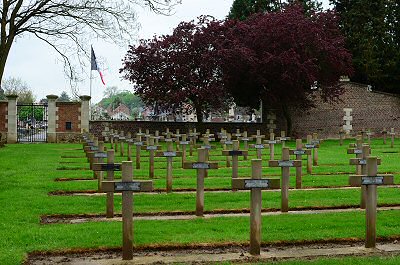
{"points": [[52, 119], [85, 113], [12, 131]]}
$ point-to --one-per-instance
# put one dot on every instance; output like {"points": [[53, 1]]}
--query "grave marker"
{"points": [[258, 146], [235, 153], [245, 141], [285, 164], [357, 150], [169, 154], [362, 162], [151, 148], [299, 152], [192, 138], [184, 143], [139, 144], [202, 165], [109, 168], [347, 127], [255, 185], [384, 135], [271, 142], [371, 181], [283, 138], [127, 187], [310, 158], [121, 140], [226, 144]]}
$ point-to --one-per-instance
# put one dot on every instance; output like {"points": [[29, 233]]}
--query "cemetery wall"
{"points": [[371, 110], [68, 124], [3, 117], [97, 127]]}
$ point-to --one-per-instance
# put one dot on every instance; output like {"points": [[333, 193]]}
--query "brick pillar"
{"points": [[85, 113], [12, 119], [52, 119]]}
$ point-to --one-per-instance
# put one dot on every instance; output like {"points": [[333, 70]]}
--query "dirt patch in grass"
{"points": [[213, 253], [76, 218]]}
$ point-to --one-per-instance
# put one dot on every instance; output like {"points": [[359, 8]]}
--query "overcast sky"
{"points": [[40, 67]]}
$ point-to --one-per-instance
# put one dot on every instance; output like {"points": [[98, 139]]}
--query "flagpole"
{"points": [[90, 94]]}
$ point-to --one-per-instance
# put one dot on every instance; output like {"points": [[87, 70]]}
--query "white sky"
{"points": [[39, 65]]}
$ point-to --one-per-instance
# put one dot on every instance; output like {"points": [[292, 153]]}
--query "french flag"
{"points": [[94, 65]]}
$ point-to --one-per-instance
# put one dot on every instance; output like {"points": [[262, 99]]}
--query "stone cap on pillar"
{"points": [[85, 98], [12, 97], [52, 97]]}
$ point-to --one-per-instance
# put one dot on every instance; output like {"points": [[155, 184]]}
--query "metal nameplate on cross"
{"points": [[113, 186], [248, 184], [100, 155]]}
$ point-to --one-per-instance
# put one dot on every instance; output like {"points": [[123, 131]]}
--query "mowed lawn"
{"points": [[27, 174]]}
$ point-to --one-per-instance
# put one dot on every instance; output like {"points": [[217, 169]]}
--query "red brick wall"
{"points": [[371, 110], [68, 112], [3, 116]]}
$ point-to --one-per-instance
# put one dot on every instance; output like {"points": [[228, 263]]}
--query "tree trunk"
{"points": [[199, 113], [288, 117]]}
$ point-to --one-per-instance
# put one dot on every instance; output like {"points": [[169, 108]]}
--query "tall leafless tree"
{"points": [[69, 25]]}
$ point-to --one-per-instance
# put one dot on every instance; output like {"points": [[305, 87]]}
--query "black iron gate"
{"points": [[32, 123]]}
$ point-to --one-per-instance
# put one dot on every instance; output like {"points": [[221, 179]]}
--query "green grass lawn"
{"points": [[28, 172]]}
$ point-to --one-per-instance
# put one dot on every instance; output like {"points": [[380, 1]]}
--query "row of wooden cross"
{"points": [[366, 134], [368, 179]]}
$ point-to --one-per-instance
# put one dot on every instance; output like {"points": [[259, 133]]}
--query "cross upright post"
{"points": [[127, 186], [283, 138], [371, 180], [285, 165], [235, 153], [271, 142], [169, 154], [299, 152], [255, 185], [202, 165], [259, 146], [245, 141]]}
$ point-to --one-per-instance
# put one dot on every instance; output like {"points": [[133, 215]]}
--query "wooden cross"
{"points": [[255, 185], [271, 142], [299, 152], [226, 143], [177, 137], [363, 134], [371, 181], [129, 141], [169, 154], [192, 138], [167, 133], [235, 153], [157, 137], [259, 146], [147, 136], [392, 135], [184, 143], [139, 145], [311, 159], [151, 148], [112, 138], [98, 157], [127, 186], [384, 135], [108, 167], [285, 165], [283, 138], [317, 143], [237, 134], [357, 150], [245, 141], [121, 140], [362, 163], [115, 137], [202, 165]]}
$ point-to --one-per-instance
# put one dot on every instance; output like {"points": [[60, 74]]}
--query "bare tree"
{"points": [[16, 86], [69, 25]]}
